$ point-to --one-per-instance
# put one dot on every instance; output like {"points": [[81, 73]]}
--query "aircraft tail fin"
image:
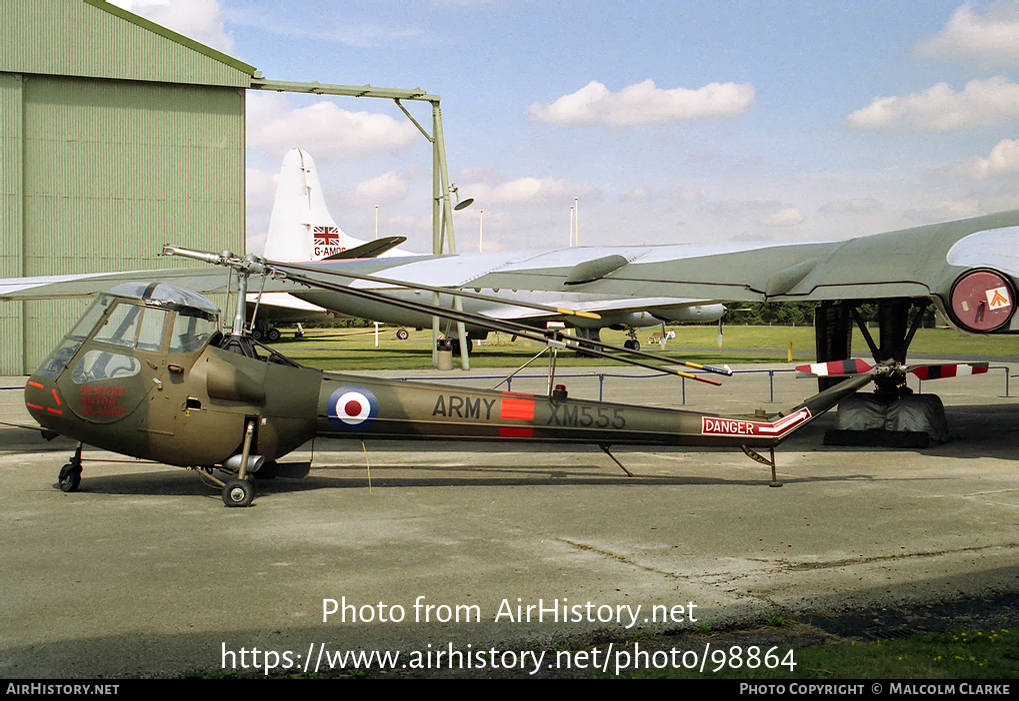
{"points": [[301, 228]]}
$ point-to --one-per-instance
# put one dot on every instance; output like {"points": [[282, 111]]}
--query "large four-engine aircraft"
{"points": [[969, 269]]}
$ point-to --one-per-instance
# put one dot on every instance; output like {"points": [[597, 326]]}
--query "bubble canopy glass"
{"points": [[147, 317]]}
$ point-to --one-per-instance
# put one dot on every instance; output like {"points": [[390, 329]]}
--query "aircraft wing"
{"points": [[932, 261], [970, 268], [924, 261]]}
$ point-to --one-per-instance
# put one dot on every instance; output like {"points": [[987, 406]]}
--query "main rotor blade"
{"points": [[456, 292], [727, 371], [474, 295], [252, 265], [510, 327]]}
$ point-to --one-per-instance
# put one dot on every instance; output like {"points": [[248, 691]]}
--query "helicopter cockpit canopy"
{"points": [[152, 317]]}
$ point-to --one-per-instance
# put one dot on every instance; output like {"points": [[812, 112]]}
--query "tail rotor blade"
{"points": [[937, 372], [835, 368]]}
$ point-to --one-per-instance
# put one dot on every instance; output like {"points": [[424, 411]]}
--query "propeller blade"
{"points": [[835, 368], [938, 372]]}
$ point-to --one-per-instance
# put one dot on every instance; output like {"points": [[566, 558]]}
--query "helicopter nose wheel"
{"points": [[238, 493], [70, 474], [70, 477]]}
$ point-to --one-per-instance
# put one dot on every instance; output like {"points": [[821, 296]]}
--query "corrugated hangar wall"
{"points": [[117, 135]]}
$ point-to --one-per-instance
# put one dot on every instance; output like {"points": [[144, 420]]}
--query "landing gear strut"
{"points": [[240, 492], [70, 474]]}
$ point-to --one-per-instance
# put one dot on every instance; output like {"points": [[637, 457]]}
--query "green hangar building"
{"points": [[116, 135]]}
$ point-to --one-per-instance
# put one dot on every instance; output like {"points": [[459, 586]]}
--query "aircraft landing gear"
{"points": [[238, 493], [631, 343], [588, 334], [70, 474], [455, 346], [270, 334]]}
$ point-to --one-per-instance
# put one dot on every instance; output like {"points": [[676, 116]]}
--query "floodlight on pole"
{"points": [[460, 204]]}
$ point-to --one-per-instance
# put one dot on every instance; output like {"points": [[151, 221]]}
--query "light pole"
{"points": [[576, 215]]}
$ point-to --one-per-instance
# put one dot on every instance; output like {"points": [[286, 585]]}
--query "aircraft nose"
{"points": [[42, 400]]}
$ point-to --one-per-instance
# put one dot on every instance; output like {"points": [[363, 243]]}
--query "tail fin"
{"points": [[301, 228]]}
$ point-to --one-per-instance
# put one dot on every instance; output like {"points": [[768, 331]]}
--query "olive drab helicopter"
{"points": [[147, 372]]}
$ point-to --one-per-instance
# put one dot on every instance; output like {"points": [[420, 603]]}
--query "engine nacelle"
{"points": [[982, 301]]}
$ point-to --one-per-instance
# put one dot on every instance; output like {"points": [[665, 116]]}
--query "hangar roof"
{"points": [[94, 39]]}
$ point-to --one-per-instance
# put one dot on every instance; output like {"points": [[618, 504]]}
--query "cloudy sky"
{"points": [[671, 122]]}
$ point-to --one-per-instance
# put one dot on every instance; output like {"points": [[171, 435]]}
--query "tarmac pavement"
{"points": [[144, 572]]}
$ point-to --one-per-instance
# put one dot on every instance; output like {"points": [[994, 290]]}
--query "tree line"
{"points": [[797, 314]]}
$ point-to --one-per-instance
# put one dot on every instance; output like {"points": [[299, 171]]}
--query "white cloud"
{"points": [[323, 128], [1003, 161], [410, 223], [989, 35], [852, 206], [384, 189], [790, 216], [947, 210], [981, 103], [201, 20], [524, 190], [643, 103], [259, 186]]}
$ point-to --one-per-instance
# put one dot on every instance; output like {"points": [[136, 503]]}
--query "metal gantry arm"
{"points": [[442, 211]]}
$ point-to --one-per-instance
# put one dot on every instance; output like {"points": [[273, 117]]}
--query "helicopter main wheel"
{"points": [[402, 334], [273, 335], [70, 477], [238, 493], [632, 344]]}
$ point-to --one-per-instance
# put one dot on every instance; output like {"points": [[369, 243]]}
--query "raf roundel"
{"points": [[353, 407]]}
